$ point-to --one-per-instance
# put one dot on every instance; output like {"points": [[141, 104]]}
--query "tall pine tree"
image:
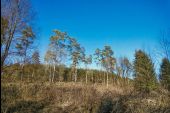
{"points": [[145, 77], [165, 73]]}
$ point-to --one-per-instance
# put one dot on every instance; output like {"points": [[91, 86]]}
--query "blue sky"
{"points": [[125, 25]]}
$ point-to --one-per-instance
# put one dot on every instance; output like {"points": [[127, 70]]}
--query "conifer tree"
{"points": [[35, 62], [145, 77], [36, 58], [77, 55], [165, 73]]}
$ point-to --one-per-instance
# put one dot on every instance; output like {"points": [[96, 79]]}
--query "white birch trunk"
{"points": [[53, 74]]}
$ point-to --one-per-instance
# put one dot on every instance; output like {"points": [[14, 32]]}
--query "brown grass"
{"points": [[43, 97]]}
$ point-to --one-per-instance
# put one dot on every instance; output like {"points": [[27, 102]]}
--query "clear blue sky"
{"points": [[126, 25]]}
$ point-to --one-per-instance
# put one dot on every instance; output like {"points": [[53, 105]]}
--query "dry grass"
{"points": [[78, 98]]}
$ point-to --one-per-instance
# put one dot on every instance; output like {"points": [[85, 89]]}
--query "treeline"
{"points": [[41, 73], [64, 56]]}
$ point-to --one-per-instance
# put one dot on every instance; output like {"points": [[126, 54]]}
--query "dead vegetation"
{"points": [[79, 98]]}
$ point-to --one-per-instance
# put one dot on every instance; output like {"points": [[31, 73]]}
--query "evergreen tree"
{"points": [[145, 77], [36, 58], [77, 54], [165, 73]]}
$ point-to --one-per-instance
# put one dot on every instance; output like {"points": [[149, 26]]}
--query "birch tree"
{"points": [[49, 59], [124, 68], [97, 58], [87, 61], [56, 51], [106, 59]]}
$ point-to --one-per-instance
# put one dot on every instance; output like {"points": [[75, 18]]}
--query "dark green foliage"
{"points": [[145, 77], [27, 107], [40, 72], [36, 58], [25, 41], [165, 73], [106, 105]]}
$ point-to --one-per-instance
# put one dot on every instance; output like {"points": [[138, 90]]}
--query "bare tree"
{"points": [[126, 67], [16, 15], [165, 44]]}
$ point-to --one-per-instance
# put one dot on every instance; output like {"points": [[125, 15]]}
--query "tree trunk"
{"points": [[107, 79], [86, 76], [53, 74], [32, 76], [50, 76], [86, 73], [92, 78], [22, 72], [104, 78], [75, 75], [28, 76], [11, 34]]}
